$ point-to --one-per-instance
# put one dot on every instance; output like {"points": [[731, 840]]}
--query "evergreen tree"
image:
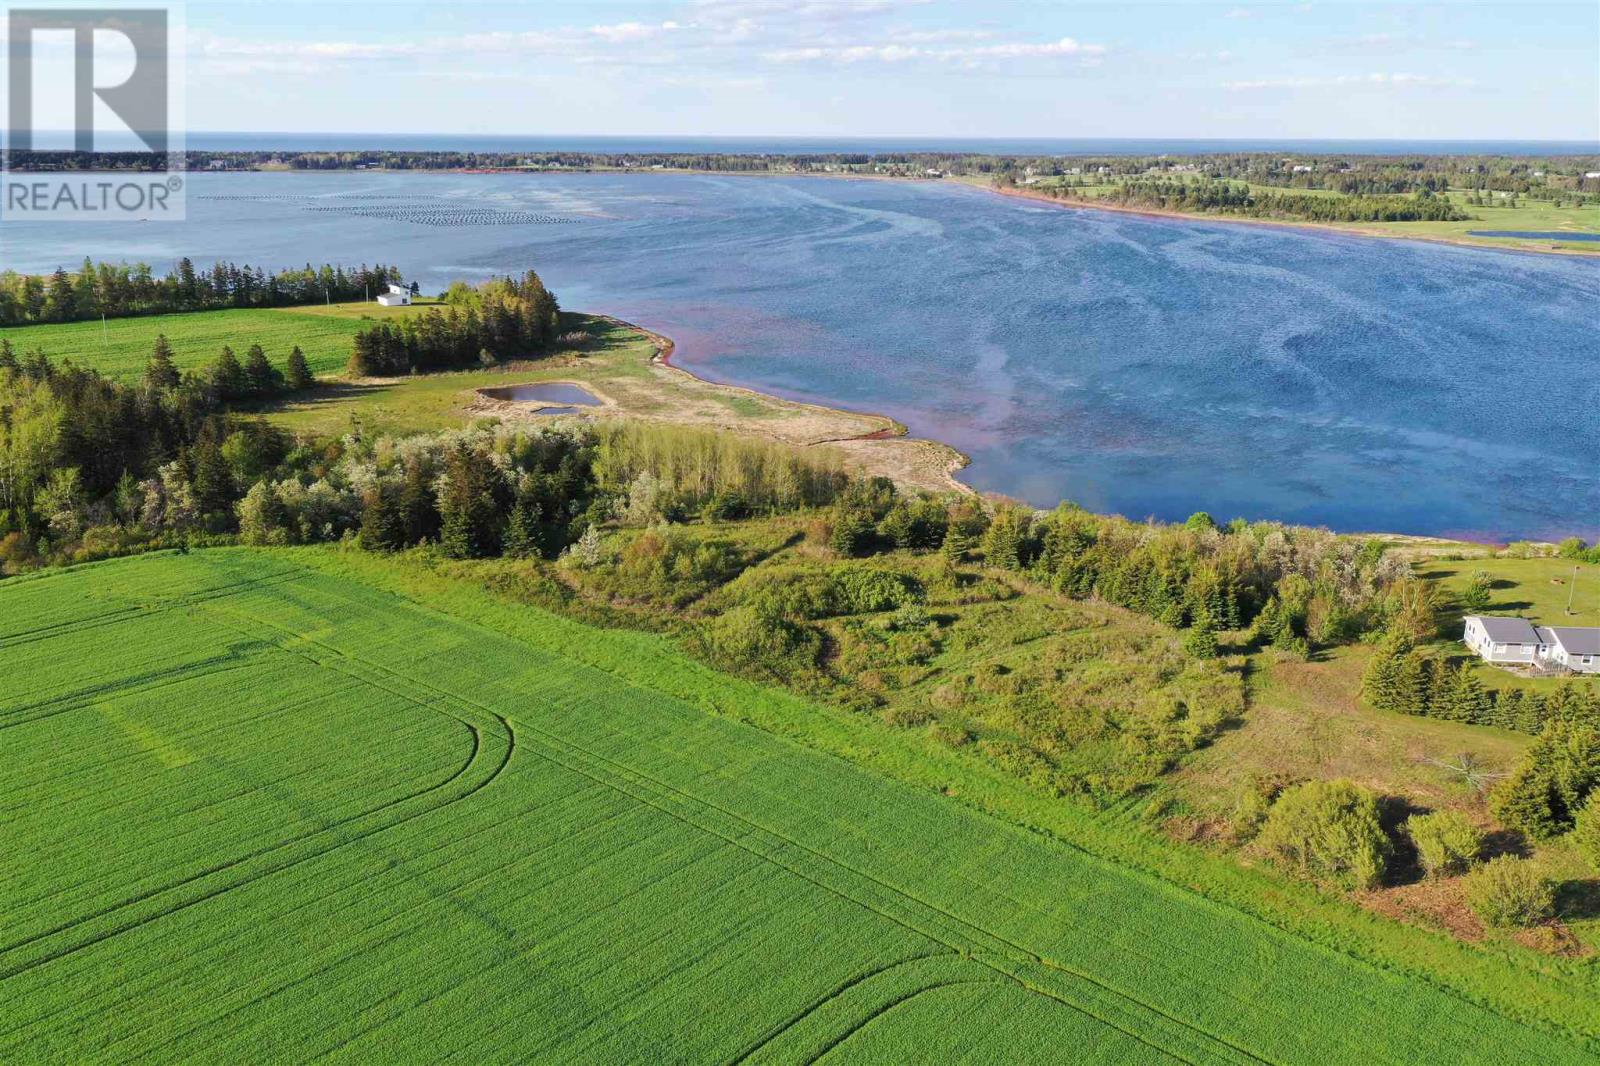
{"points": [[1414, 684], [850, 534], [1380, 683], [523, 535], [260, 379], [1003, 542], [1201, 639], [383, 525], [470, 519], [227, 375], [1549, 787], [418, 510], [161, 373], [212, 481], [298, 377], [956, 544]]}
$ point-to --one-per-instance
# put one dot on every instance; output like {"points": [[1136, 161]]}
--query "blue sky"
{"points": [[955, 68]]}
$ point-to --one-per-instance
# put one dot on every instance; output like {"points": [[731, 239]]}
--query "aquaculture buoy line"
{"points": [[400, 207]]}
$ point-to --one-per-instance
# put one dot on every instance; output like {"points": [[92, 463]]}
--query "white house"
{"points": [[1502, 640], [397, 296], [1577, 648], [1517, 642]]}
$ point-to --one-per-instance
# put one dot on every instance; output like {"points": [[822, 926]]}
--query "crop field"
{"points": [[269, 806], [120, 347]]}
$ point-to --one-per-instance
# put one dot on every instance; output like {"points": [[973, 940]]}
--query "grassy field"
{"points": [[1530, 216], [121, 347], [280, 808]]}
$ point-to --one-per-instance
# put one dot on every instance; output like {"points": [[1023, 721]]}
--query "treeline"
{"points": [[1228, 198], [90, 467], [1293, 588], [1408, 680], [502, 318], [118, 290]]}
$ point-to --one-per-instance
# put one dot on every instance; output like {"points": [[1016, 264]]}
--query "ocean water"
{"points": [[1144, 366]]}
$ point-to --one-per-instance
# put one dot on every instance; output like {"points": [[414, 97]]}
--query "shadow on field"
{"points": [[1578, 899]]}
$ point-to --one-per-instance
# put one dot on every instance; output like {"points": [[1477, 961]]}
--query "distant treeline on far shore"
{"points": [[1347, 173]]}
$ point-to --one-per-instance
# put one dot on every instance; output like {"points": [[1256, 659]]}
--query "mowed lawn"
{"points": [[120, 347], [266, 806]]}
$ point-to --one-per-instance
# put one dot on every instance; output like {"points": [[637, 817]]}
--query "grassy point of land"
{"points": [[627, 370], [1534, 216]]}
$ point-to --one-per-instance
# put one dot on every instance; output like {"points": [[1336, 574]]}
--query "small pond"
{"points": [[1534, 235], [554, 392]]}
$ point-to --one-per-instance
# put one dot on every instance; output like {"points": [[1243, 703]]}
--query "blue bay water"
{"points": [[1149, 367]]}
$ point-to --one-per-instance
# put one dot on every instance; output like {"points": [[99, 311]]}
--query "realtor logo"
{"points": [[92, 87]]}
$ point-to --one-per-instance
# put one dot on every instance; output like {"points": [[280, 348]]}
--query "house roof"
{"points": [[1575, 640], [1507, 630]]}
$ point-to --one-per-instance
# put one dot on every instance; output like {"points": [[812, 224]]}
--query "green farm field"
{"points": [[297, 804], [120, 347]]}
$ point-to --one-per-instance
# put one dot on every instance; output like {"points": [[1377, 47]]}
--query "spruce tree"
{"points": [[1381, 681], [227, 375], [956, 544], [160, 373], [1413, 685], [523, 539], [259, 377], [298, 375], [382, 520], [1201, 639]]}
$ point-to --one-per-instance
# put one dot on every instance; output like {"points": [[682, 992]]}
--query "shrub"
{"points": [[1447, 842], [1328, 830], [758, 642], [1586, 833], [866, 591], [1509, 891], [851, 532], [1478, 593]]}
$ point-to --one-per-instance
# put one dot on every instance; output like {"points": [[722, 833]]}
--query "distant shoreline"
{"points": [[1280, 223]]}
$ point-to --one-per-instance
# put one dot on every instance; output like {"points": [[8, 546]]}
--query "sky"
{"points": [[923, 68]]}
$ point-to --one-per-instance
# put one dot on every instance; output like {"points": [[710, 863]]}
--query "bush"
{"points": [[1586, 833], [757, 642], [851, 533], [1447, 842], [865, 591], [1508, 892], [1328, 830]]}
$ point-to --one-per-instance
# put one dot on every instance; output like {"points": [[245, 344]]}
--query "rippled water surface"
{"points": [[1138, 365]]}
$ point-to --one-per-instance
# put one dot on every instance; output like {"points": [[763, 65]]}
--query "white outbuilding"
{"points": [[397, 296]]}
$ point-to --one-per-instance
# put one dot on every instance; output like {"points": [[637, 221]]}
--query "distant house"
{"points": [[1576, 648], [1502, 640], [397, 296], [1518, 642]]}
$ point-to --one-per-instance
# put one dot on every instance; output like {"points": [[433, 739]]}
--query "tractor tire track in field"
{"points": [[884, 1009], [1088, 995], [238, 656], [1004, 956], [86, 931], [845, 989], [123, 614]]}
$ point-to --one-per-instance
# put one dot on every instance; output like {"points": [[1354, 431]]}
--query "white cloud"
{"points": [[1376, 79], [899, 53], [624, 32]]}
